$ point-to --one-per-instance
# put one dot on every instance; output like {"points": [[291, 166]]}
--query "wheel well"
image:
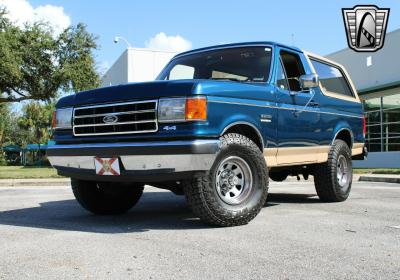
{"points": [[345, 135], [248, 131]]}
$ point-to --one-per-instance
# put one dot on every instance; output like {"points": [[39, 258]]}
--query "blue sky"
{"points": [[317, 26]]}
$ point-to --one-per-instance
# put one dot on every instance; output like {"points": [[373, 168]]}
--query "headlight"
{"points": [[62, 118], [182, 109], [171, 110]]}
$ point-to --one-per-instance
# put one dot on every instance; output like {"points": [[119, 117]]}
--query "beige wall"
{"points": [[137, 65], [385, 63], [145, 65], [118, 72]]}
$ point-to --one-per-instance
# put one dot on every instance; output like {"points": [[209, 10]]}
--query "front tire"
{"points": [[333, 178], [233, 192], [106, 198]]}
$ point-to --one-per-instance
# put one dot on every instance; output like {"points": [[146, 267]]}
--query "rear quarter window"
{"points": [[332, 78]]}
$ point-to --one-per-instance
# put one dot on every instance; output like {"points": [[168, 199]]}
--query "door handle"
{"points": [[313, 104]]}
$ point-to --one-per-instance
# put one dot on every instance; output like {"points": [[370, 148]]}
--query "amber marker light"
{"points": [[196, 109]]}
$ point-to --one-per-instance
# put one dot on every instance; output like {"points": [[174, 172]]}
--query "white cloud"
{"points": [[169, 43], [21, 12]]}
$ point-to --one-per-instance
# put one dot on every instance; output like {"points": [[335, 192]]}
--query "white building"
{"points": [[377, 78], [137, 65]]}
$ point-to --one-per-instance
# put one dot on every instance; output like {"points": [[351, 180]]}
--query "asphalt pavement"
{"points": [[45, 234]]}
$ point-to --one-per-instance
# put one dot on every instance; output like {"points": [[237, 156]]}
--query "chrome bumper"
{"points": [[137, 158]]}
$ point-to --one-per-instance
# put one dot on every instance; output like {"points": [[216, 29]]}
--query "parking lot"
{"points": [[45, 234]]}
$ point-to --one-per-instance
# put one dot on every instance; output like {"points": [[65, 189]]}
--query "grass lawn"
{"points": [[21, 172], [377, 171]]}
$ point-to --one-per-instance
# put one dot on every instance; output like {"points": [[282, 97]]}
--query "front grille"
{"points": [[119, 118]]}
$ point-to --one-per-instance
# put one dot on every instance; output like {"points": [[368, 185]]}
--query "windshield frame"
{"points": [[217, 48]]}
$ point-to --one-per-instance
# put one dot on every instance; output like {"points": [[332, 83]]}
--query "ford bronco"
{"points": [[217, 123]]}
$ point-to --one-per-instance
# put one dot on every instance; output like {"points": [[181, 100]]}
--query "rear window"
{"points": [[332, 78]]}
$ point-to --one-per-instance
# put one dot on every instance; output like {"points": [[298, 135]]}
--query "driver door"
{"points": [[298, 127]]}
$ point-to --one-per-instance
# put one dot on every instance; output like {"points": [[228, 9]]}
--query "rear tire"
{"points": [[333, 178], [106, 198], [234, 191]]}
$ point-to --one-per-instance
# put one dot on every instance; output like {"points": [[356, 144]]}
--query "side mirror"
{"points": [[309, 81]]}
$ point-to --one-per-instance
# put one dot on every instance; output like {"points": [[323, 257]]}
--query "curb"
{"points": [[34, 182], [380, 178], [356, 177]]}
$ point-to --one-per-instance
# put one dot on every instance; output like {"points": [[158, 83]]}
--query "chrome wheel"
{"points": [[343, 172], [234, 180]]}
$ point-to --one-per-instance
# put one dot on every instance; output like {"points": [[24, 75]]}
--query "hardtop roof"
{"points": [[233, 45]]}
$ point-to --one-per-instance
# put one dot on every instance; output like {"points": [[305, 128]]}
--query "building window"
{"points": [[391, 122], [383, 123], [369, 61]]}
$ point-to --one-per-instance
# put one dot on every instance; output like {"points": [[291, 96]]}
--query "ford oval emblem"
{"points": [[110, 119]]}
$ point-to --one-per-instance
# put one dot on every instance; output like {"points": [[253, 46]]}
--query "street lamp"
{"points": [[117, 38]]}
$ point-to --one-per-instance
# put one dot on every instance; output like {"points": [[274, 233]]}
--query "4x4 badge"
{"points": [[365, 27]]}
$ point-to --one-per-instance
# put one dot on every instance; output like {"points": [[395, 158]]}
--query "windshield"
{"points": [[244, 64]]}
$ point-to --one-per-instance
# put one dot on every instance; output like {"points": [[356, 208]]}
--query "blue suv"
{"points": [[216, 125]]}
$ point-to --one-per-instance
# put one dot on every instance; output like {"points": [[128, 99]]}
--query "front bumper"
{"points": [[139, 161]]}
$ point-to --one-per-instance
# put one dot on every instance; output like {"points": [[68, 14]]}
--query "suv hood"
{"points": [[129, 92], [157, 89]]}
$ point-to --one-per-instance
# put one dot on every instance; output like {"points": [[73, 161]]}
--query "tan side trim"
{"points": [[295, 155], [323, 153], [357, 149], [270, 156], [302, 155]]}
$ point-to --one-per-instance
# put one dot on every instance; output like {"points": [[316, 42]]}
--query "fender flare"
{"points": [[342, 129], [245, 123]]}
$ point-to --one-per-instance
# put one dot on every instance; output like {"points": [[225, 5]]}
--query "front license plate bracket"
{"points": [[107, 166]]}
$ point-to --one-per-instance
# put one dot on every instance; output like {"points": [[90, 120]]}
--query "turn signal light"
{"points": [[196, 109]]}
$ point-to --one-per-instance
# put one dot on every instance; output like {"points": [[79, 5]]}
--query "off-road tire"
{"points": [[202, 195], [325, 174], [106, 198]]}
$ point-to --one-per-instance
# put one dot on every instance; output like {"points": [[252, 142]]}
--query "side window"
{"points": [[332, 79], [294, 69], [180, 72], [281, 81]]}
